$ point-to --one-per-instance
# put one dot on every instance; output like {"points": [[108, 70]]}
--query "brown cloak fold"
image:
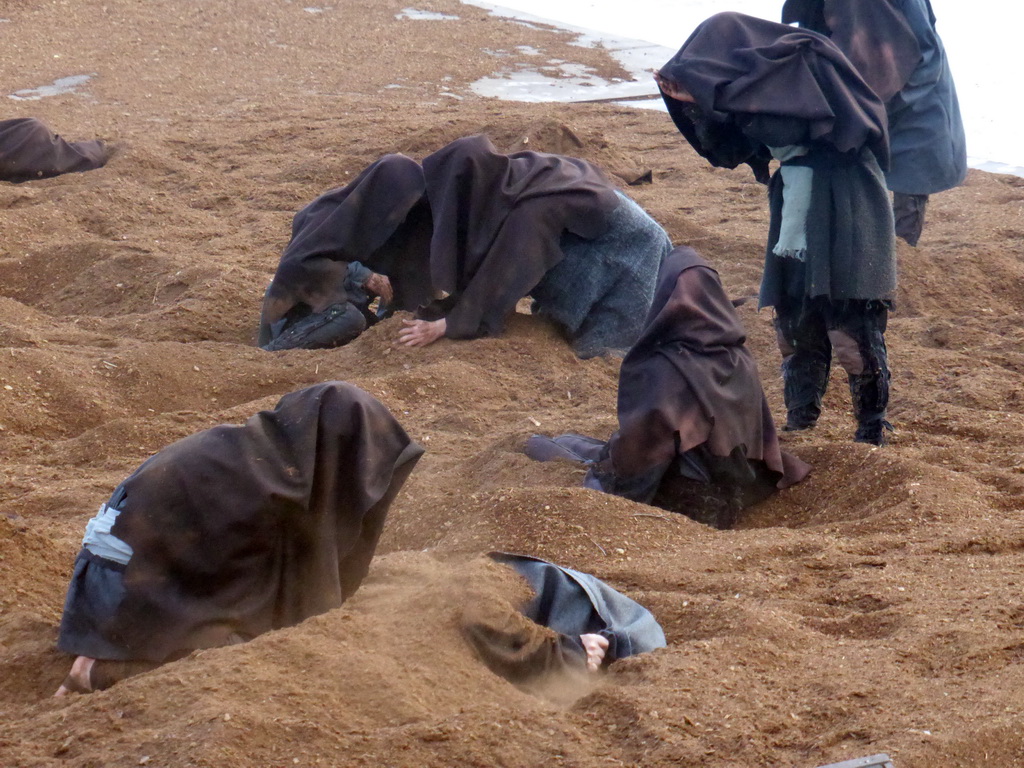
{"points": [[381, 220], [238, 530], [497, 224], [29, 150], [873, 35], [690, 381], [739, 67]]}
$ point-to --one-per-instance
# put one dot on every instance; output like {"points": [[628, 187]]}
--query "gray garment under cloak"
{"points": [[851, 245], [601, 290], [574, 603], [926, 134]]}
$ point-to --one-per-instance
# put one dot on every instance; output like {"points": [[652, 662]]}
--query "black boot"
{"points": [[805, 379], [870, 393]]}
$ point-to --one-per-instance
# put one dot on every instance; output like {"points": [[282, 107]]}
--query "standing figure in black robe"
{"points": [[370, 238], [572, 622], [234, 531], [29, 150], [896, 48], [695, 434], [534, 224], [743, 89]]}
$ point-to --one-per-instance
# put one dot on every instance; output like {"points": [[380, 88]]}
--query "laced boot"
{"points": [[870, 394], [805, 378]]}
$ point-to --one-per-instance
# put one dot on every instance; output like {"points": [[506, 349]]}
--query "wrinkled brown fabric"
{"points": [[497, 224], [741, 69], [29, 150], [873, 35], [690, 381], [238, 530], [381, 220]]}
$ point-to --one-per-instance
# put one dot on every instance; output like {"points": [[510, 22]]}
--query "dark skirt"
{"points": [[94, 595]]}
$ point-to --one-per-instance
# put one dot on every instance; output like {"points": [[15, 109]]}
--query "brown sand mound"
{"points": [[875, 607]]}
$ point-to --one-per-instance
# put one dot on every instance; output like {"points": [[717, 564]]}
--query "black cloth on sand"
{"points": [[29, 150], [238, 530]]}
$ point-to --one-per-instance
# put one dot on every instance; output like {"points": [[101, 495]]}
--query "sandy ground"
{"points": [[876, 607]]}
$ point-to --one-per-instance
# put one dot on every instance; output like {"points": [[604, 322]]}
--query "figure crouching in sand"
{"points": [[232, 532], [695, 434], [459, 241]]}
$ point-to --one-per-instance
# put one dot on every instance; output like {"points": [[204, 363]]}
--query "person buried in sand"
{"points": [[743, 89], [574, 621], [232, 532], [550, 227], [695, 433], [897, 50], [29, 150]]}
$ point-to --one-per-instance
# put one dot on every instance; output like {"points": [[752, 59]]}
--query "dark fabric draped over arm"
{"points": [[384, 204], [497, 223]]}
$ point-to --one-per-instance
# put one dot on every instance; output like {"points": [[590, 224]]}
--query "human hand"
{"points": [[672, 89], [420, 333], [595, 646], [380, 285]]}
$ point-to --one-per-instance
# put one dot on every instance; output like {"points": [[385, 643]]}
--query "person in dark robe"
{"points": [[695, 434], [368, 239], [896, 48], [533, 224], [29, 150], [743, 89], [573, 622], [234, 531]]}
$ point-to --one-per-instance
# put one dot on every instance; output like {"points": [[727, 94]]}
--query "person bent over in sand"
{"points": [[573, 622], [745, 90], [368, 239], [460, 241], [897, 50], [29, 150], [550, 227], [695, 433], [232, 532]]}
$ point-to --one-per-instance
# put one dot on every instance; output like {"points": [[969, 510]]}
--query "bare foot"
{"points": [[595, 646], [79, 679]]}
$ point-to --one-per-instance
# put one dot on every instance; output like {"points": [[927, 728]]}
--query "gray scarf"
{"points": [[796, 202]]}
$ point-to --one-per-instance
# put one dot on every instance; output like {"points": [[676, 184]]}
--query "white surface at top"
{"points": [[982, 40]]}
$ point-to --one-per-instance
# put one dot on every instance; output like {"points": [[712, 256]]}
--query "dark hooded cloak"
{"points": [[690, 381], [29, 150], [380, 220], [238, 530], [690, 403], [752, 78], [498, 220], [895, 47]]}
